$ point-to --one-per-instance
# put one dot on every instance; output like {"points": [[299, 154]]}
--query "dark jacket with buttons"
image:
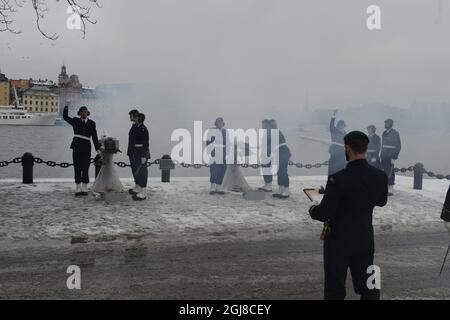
{"points": [[348, 203], [141, 142], [131, 139], [86, 129], [392, 144]]}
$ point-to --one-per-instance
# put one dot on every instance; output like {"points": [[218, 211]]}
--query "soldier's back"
{"points": [[361, 187]]}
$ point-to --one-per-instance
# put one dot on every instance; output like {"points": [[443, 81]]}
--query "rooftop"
{"points": [[3, 78]]}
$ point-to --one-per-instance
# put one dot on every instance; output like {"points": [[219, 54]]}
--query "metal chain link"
{"points": [[7, 163], [53, 164], [299, 165]]}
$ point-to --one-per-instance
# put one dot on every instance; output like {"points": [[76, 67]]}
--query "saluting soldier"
{"points": [[140, 154], [131, 142], [337, 153], [390, 151], [84, 130], [347, 208], [374, 148]]}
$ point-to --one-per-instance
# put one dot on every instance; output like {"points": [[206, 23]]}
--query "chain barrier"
{"points": [[404, 170], [437, 176], [299, 165], [53, 164], [7, 163]]}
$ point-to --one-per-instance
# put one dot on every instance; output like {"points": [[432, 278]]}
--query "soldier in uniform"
{"points": [[131, 142], [284, 155], [84, 129], [336, 150], [390, 149], [268, 178], [373, 151], [347, 208], [217, 169], [139, 155]]}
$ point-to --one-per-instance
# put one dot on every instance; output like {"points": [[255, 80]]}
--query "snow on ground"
{"points": [[184, 211]]}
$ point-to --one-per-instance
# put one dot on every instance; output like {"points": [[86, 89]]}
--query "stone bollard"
{"points": [[27, 172], [165, 165], [418, 176]]}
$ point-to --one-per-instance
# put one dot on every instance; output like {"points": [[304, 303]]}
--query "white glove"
{"points": [[393, 161], [143, 160], [99, 152]]}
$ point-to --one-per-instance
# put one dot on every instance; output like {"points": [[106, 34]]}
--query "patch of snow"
{"points": [[183, 210]]}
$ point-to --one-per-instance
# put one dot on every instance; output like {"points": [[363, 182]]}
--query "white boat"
{"points": [[19, 116]]}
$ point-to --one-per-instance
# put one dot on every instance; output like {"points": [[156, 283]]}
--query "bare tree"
{"points": [[8, 8]]}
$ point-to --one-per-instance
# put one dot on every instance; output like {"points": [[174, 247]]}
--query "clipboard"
{"points": [[313, 195]]}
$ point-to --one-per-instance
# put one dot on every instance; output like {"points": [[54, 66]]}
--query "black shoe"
{"points": [[132, 192], [279, 196], [84, 194], [78, 194], [136, 198], [213, 192]]}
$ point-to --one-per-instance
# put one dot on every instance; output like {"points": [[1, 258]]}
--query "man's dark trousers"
{"points": [[81, 163], [140, 171], [336, 265]]}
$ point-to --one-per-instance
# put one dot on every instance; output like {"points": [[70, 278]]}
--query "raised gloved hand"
{"points": [[143, 160]]}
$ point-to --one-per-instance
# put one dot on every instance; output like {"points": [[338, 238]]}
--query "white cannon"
{"points": [[107, 185]]}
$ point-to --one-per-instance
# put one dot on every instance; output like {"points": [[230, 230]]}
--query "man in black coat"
{"points": [[131, 146], [390, 150], [84, 130], [139, 158], [374, 148], [347, 208]]}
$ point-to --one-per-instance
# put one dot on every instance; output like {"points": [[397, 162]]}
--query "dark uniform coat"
{"points": [[138, 148], [141, 142], [390, 150], [217, 170], [392, 144], [81, 145], [131, 139], [373, 151], [337, 159], [81, 128], [348, 204]]}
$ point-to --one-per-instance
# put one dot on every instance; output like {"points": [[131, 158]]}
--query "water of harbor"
{"points": [[53, 143]]}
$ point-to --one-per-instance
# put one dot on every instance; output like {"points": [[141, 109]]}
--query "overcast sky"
{"points": [[248, 53]]}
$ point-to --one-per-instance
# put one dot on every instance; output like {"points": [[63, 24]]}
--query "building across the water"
{"points": [[4, 90], [40, 99], [47, 96]]}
